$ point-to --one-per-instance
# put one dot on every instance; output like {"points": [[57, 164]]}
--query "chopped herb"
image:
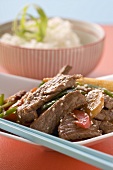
{"points": [[21, 29]]}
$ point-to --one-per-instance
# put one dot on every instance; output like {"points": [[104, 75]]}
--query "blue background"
{"points": [[98, 11]]}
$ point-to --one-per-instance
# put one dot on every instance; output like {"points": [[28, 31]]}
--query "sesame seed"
{"points": [[90, 114], [19, 116], [64, 84], [53, 109], [61, 104]]}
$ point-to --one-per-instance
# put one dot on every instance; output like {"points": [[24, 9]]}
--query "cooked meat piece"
{"points": [[50, 119], [20, 101], [108, 102], [83, 88], [106, 127], [105, 115], [65, 69], [69, 130], [28, 116], [32, 115], [44, 94], [16, 96]]}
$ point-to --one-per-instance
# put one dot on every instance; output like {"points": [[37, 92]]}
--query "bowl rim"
{"points": [[63, 48]]}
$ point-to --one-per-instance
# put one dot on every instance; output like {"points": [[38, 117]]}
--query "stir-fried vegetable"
{"points": [[1, 101], [105, 91], [5, 109], [95, 102], [47, 105], [7, 112], [107, 84], [50, 103], [36, 30], [94, 98], [83, 119], [6, 105], [41, 83]]}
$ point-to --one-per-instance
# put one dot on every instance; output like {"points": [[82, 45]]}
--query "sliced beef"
{"points": [[83, 88], [105, 115], [65, 69], [69, 130], [108, 102], [32, 115], [16, 96], [50, 119], [28, 118], [44, 94], [106, 127], [21, 100]]}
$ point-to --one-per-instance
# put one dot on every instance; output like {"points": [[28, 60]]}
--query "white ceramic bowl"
{"points": [[40, 63]]}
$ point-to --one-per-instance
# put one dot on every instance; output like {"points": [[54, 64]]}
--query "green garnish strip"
{"points": [[47, 105], [41, 83], [108, 92], [24, 31], [6, 105], [1, 101], [8, 112]]}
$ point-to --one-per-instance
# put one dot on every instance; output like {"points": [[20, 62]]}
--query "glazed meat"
{"points": [[65, 69], [21, 100], [44, 94], [106, 127], [16, 96], [108, 102], [105, 115], [70, 131], [50, 119]]}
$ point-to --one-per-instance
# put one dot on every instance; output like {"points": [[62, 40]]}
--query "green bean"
{"points": [[64, 93], [1, 101], [47, 105], [50, 103], [109, 93], [41, 83], [93, 86], [6, 105], [8, 112]]}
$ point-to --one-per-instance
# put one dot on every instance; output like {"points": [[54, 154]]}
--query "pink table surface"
{"points": [[17, 155], [105, 66]]}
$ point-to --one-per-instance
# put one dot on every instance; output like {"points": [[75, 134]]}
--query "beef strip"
{"points": [[105, 115], [106, 127], [69, 130], [50, 119], [65, 69], [16, 96], [27, 118], [108, 102], [21, 100], [44, 94]]}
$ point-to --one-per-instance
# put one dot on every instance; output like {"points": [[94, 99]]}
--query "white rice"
{"points": [[59, 34]]}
